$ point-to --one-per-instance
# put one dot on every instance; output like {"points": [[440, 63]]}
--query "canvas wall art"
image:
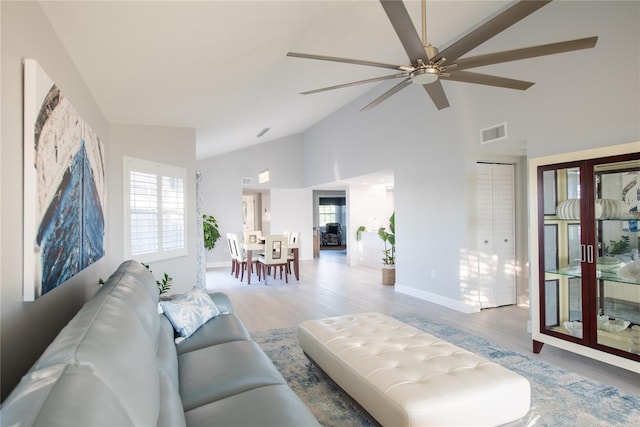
{"points": [[64, 187]]}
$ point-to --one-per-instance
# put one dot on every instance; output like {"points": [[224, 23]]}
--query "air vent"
{"points": [[248, 181], [493, 133]]}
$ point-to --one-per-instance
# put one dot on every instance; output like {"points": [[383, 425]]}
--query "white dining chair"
{"points": [[232, 254], [293, 239], [252, 236], [242, 264], [275, 255]]}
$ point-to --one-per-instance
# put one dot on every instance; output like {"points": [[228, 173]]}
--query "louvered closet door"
{"points": [[496, 234]]}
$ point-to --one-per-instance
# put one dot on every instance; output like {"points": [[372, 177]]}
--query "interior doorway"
{"points": [[252, 218], [331, 220]]}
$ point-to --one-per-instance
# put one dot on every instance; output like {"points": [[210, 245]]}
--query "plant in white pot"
{"points": [[389, 258]]}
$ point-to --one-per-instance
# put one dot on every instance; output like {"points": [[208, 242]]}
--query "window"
{"points": [[326, 214], [154, 205]]}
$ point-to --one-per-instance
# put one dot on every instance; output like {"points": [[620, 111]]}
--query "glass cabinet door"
{"points": [[617, 284], [564, 252]]}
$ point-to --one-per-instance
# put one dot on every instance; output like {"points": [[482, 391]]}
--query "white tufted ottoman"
{"points": [[403, 376]]}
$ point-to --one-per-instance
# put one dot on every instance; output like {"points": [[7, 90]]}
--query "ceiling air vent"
{"points": [[248, 181], [493, 133]]}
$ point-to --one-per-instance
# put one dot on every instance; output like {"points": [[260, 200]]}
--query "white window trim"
{"points": [[138, 165]]}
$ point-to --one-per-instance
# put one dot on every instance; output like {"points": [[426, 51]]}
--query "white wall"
{"points": [[27, 328], [368, 206], [222, 189], [170, 146], [292, 210], [433, 153]]}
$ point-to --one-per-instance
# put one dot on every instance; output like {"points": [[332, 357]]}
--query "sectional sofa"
{"points": [[120, 362]]}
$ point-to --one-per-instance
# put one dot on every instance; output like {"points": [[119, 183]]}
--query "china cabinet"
{"points": [[585, 266]]}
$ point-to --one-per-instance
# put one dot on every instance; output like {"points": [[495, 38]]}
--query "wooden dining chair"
{"points": [[275, 255]]}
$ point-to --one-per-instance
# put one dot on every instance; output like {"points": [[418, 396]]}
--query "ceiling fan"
{"points": [[428, 66]]}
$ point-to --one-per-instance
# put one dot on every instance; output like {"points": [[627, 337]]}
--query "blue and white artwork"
{"points": [[64, 187]]}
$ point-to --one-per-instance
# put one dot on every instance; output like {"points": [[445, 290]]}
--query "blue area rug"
{"points": [[558, 397]]}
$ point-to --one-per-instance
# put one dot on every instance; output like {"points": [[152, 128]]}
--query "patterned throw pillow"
{"points": [[189, 311]]}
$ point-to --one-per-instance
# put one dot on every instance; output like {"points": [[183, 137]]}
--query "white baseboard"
{"points": [[437, 299], [218, 264]]}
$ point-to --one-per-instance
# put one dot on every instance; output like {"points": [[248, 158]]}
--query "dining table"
{"points": [[259, 247]]}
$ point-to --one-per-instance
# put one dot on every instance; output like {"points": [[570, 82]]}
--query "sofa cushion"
{"points": [[219, 371], [64, 395], [171, 409], [224, 328], [269, 406], [189, 311]]}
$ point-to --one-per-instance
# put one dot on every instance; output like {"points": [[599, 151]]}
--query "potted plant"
{"points": [[211, 232], [389, 258], [164, 285]]}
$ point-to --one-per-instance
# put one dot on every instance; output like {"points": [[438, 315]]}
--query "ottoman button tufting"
{"points": [[405, 377]]}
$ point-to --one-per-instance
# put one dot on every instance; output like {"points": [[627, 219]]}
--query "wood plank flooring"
{"points": [[329, 287]]}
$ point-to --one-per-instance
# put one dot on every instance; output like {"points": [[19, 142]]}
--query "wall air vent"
{"points": [[248, 181], [493, 133]]}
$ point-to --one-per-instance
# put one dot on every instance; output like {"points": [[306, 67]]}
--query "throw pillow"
{"points": [[189, 311]]}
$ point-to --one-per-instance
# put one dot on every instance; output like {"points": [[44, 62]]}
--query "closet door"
{"points": [[496, 234]]}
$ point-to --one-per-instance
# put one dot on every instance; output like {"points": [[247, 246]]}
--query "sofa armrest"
{"points": [[222, 302]]}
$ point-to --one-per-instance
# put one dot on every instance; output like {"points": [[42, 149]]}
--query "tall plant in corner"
{"points": [[389, 239], [211, 231]]}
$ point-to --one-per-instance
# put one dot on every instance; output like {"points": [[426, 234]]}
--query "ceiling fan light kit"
{"points": [[424, 76], [428, 65]]}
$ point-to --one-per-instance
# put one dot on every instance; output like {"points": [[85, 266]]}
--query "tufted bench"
{"points": [[403, 376]]}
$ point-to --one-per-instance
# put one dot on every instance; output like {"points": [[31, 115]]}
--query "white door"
{"points": [[496, 235]]}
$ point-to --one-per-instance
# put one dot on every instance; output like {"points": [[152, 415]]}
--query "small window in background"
{"points": [[327, 213], [154, 205]]}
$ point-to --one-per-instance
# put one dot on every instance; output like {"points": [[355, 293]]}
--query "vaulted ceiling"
{"points": [[221, 66]]}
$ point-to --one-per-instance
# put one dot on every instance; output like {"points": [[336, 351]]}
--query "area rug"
{"points": [[558, 397]]}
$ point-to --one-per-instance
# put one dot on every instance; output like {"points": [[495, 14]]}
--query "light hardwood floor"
{"points": [[329, 287]]}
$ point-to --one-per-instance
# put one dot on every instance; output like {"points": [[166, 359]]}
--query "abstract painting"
{"points": [[64, 187]]}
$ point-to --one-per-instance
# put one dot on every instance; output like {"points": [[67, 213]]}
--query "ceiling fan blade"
{"points": [[524, 53], [485, 79], [397, 88], [402, 24], [348, 61], [436, 92], [493, 26], [375, 79]]}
